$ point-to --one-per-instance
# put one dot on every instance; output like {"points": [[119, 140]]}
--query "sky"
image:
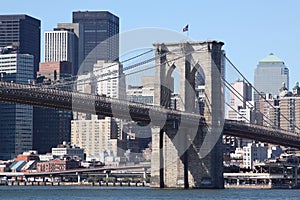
{"points": [[250, 29]]}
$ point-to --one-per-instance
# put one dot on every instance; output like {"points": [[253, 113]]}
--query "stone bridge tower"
{"points": [[185, 156]]}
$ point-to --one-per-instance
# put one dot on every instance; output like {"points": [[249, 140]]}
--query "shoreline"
{"points": [[248, 187]]}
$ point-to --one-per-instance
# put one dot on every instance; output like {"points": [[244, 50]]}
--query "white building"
{"points": [[110, 79], [68, 150], [144, 93], [60, 45], [254, 152], [95, 134]]}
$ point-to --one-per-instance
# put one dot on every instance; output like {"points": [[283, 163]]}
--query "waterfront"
{"points": [[35, 192]]}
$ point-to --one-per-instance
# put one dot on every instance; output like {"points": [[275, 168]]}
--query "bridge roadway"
{"points": [[74, 101], [94, 104]]}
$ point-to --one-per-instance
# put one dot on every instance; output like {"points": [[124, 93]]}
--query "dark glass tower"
{"points": [[15, 119], [98, 37], [50, 126], [23, 32]]}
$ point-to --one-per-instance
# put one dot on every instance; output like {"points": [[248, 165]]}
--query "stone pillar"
{"points": [[188, 156], [157, 175]]}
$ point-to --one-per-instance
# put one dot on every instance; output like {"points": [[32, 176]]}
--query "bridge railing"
{"points": [[140, 108], [256, 126]]}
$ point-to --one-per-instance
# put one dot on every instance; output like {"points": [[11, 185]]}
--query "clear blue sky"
{"points": [[250, 29]]}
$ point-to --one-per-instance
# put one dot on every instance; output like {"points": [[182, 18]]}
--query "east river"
{"points": [[119, 193]]}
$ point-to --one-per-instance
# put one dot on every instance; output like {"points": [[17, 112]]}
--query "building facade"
{"points": [[96, 29], [269, 75], [22, 32], [240, 102], [270, 111], [61, 45], [96, 136], [241, 109], [50, 126], [100, 135], [57, 165], [290, 109], [254, 152], [68, 150], [15, 119]]}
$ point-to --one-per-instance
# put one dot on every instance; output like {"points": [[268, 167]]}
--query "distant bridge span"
{"points": [[67, 100], [261, 133]]}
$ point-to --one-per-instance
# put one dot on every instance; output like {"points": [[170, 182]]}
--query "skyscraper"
{"points": [[15, 119], [96, 27], [23, 32], [61, 45], [51, 127], [240, 98], [290, 109], [240, 109], [96, 135], [269, 75]]}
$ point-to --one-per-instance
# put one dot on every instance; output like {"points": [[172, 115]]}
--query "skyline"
{"points": [[250, 30]]}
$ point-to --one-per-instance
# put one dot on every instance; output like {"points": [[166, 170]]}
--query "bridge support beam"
{"points": [[185, 156]]}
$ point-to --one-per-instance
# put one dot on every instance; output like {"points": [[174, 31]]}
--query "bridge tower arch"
{"points": [[185, 156]]}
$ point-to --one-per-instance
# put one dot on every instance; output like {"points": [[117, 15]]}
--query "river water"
{"points": [[119, 193]]}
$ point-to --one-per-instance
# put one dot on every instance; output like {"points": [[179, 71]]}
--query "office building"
{"points": [[67, 150], [290, 109], [269, 75], [96, 29], [15, 119], [270, 111], [50, 126], [22, 32], [240, 109], [240, 102], [110, 79], [96, 136], [254, 152], [144, 93], [61, 44], [139, 136], [100, 135]]}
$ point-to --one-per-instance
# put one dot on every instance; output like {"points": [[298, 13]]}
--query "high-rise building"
{"points": [[290, 109], [270, 111], [15, 119], [240, 110], [98, 36], [51, 127], [269, 75], [62, 45], [95, 134], [110, 79], [240, 102], [22, 32]]}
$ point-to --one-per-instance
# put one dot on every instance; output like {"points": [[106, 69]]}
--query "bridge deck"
{"points": [[68, 100]]}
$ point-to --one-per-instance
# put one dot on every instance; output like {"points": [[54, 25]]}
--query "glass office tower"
{"points": [[22, 32], [98, 37], [15, 119]]}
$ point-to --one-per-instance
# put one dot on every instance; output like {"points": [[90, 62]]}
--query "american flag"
{"points": [[186, 28]]}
